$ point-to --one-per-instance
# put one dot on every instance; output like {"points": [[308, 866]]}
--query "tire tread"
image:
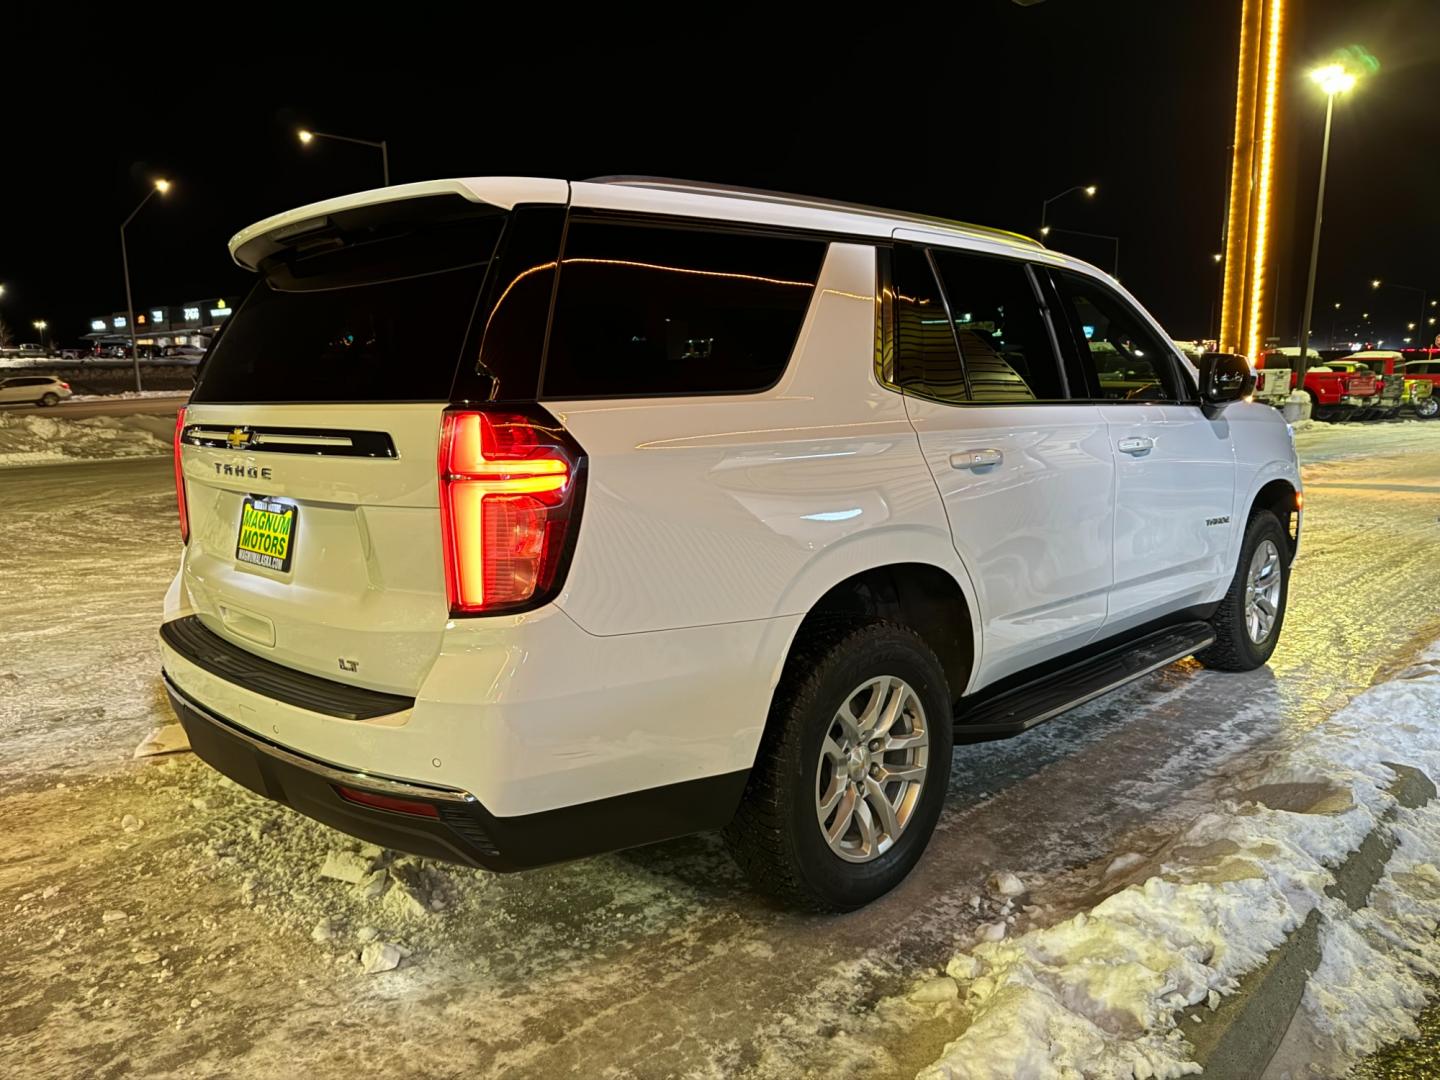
{"points": [[1232, 650], [757, 836]]}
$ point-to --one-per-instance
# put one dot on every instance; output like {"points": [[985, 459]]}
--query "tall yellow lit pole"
{"points": [[1249, 272]]}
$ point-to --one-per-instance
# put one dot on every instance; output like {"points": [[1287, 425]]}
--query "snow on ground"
{"points": [[32, 439], [128, 395], [1100, 994], [162, 921], [1336, 442]]}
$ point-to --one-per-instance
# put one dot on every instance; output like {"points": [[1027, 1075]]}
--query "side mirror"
{"points": [[1224, 377]]}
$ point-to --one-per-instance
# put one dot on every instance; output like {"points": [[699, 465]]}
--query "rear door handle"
{"points": [[1136, 444], [976, 459]]}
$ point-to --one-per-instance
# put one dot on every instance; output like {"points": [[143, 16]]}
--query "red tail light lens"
{"points": [[387, 802], [509, 507], [180, 480], [65, 386]]}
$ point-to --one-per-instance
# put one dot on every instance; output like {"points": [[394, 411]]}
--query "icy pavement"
{"points": [[208, 942]]}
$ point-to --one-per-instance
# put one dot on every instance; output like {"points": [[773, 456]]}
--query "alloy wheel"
{"points": [[1262, 593], [872, 768]]}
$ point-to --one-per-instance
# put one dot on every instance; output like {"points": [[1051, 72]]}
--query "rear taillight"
{"points": [[65, 386], [509, 507], [180, 480]]}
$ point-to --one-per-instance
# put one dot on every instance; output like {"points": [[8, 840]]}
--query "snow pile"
{"points": [[43, 440], [1100, 994], [132, 395]]}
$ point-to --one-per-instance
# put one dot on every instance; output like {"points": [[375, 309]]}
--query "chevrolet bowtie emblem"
{"points": [[238, 439]]}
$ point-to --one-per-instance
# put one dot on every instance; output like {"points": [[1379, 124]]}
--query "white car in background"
{"points": [[33, 390], [529, 519]]}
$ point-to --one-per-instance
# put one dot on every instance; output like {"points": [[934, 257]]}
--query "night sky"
{"points": [[977, 115]]}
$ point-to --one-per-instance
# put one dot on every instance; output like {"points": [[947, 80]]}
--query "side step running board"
{"points": [[1031, 703]]}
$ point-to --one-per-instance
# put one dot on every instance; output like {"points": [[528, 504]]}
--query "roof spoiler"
{"points": [[254, 243]]}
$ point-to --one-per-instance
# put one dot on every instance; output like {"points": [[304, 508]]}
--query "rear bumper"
{"points": [[462, 830]]}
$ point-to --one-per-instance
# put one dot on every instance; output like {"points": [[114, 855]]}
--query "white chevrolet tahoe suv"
{"points": [[529, 519]]}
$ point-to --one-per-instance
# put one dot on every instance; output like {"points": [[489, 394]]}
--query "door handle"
{"points": [[976, 459], [1136, 444]]}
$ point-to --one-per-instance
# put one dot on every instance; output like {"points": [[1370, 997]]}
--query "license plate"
{"points": [[267, 533]]}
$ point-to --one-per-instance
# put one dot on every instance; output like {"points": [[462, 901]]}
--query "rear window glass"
{"points": [[649, 310], [373, 306]]}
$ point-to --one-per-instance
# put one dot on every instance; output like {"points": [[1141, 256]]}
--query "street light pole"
{"points": [[1304, 359], [1376, 283], [161, 186], [307, 136], [1333, 79], [1115, 266], [1219, 261], [1088, 189]]}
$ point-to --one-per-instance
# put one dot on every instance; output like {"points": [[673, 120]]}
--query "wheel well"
{"points": [[923, 597], [1278, 496]]}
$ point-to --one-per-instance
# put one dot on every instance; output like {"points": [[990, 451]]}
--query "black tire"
{"points": [[50, 400], [1234, 649], [775, 835], [1428, 409]]}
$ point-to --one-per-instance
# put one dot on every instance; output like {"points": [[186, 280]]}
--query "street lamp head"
{"points": [[1044, 230], [1090, 189], [1337, 305], [40, 324], [1333, 79], [305, 136], [1375, 283], [1410, 326], [162, 186], [1217, 256]]}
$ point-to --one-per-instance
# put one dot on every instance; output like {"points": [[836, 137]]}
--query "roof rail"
{"points": [[701, 187]]}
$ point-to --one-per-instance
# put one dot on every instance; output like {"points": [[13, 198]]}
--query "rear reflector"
{"points": [[413, 807], [180, 480], [509, 505]]}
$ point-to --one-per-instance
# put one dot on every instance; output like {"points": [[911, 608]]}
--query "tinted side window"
{"points": [[507, 336], [1004, 342], [926, 359], [645, 310], [1121, 357]]}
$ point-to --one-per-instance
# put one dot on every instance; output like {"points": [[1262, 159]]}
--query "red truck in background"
{"points": [[1336, 395]]}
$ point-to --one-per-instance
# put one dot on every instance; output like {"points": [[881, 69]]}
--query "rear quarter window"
{"points": [[645, 310]]}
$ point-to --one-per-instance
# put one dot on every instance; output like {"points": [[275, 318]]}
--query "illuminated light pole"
{"points": [[306, 137], [161, 186], [1332, 79], [41, 324], [1115, 266], [1088, 189], [1425, 301], [1219, 261], [1248, 270]]}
